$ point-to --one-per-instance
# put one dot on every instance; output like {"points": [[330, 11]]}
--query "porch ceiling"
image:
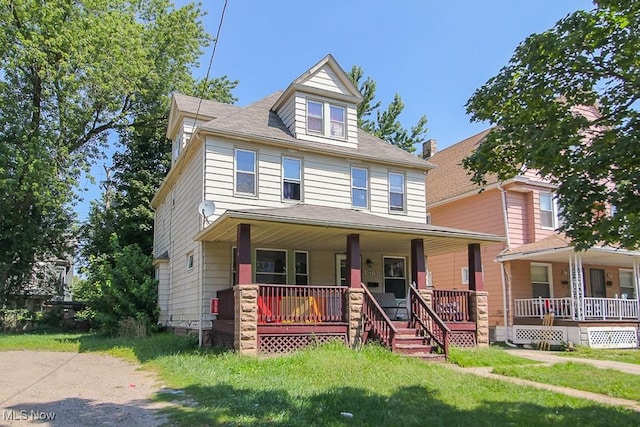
{"points": [[320, 228], [595, 256]]}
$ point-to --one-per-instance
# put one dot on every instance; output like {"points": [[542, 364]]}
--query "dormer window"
{"points": [[317, 111]]}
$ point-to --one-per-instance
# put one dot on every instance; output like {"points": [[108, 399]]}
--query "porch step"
{"points": [[413, 348]]}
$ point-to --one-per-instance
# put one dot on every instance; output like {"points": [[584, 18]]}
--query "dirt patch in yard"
{"points": [[75, 389]]}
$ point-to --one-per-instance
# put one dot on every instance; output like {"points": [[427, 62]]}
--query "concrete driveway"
{"points": [[75, 389]]}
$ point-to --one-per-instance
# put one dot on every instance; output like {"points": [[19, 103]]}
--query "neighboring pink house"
{"points": [[593, 295]]}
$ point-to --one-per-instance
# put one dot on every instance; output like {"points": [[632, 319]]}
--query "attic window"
{"points": [[314, 116], [317, 111]]}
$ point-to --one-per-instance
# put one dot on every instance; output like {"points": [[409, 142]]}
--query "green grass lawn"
{"points": [[617, 355], [332, 385], [488, 356], [580, 377]]}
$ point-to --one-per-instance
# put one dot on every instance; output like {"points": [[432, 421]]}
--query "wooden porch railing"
{"points": [[562, 308], [610, 308], [427, 320], [226, 304], [451, 306], [301, 304], [377, 324]]}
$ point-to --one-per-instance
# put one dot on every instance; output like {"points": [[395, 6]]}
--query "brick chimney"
{"points": [[429, 148]]}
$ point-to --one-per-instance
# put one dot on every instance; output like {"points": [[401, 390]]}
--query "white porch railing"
{"points": [[565, 308], [610, 308], [538, 307]]}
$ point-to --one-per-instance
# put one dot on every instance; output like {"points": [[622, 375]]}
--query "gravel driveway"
{"points": [[75, 389]]}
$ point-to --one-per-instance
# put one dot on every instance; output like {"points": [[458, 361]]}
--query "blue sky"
{"points": [[433, 53]]}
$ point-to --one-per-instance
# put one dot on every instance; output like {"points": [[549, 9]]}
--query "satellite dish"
{"points": [[206, 208]]}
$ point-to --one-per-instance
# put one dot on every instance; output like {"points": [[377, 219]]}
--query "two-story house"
{"points": [[593, 295], [279, 224]]}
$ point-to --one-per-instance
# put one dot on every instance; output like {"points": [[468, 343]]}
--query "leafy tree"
{"points": [[70, 72], [387, 125], [567, 106], [118, 286]]}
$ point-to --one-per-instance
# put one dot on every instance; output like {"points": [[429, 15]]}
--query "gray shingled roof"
{"points": [[257, 121], [203, 107], [449, 179]]}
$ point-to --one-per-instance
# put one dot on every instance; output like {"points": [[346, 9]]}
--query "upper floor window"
{"points": [[359, 187], [245, 171], [337, 115], [396, 192], [317, 111], [291, 178], [548, 211], [315, 116]]}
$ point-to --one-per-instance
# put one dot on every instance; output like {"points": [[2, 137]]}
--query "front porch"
{"points": [[588, 321], [270, 319]]}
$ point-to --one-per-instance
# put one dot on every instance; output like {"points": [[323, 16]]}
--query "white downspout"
{"points": [[201, 246], [503, 273]]}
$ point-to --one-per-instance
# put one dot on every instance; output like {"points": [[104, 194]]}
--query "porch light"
{"points": [[369, 263]]}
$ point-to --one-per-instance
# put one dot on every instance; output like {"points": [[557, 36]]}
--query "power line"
{"points": [[213, 53]]}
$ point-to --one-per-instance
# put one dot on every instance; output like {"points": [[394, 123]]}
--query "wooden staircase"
{"points": [[410, 342]]}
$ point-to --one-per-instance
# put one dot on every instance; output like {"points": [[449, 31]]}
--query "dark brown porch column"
{"points": [[354, 274], [418, 269], [243, 256], [475, 268]]}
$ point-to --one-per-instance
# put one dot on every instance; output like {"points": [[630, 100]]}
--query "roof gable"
{"points": [[326, 78]]}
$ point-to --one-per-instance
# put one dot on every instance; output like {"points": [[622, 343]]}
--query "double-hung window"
{"points": [[396, 192], [315, 116], [316, 123], [301, 267], [548, 211], [627, 287], [291, 178], [245, 171], [337, 118], [359, 187]]}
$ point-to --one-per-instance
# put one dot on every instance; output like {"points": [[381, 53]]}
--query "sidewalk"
{"points": [[550, 358], [553, 357]]}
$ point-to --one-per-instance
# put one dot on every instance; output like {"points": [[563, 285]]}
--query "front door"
{"points": [[596, 278], [395, 276]]}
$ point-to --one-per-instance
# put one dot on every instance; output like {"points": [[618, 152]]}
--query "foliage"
{"points": [[70, 72], [567, 106], [118, 286], [387, 125]]}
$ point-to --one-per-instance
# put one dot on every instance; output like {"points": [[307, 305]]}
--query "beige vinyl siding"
{"points": [[163, 290], [326, 79], [301, 121], [217, 272], [326, 181], [185, 223], [287, 114]]}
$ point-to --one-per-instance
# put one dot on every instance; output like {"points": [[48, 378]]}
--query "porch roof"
{"points": [[324, 228], [557, 248]]}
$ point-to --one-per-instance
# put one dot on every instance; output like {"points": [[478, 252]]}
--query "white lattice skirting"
{"points": [[612, 337], [536, 334]]}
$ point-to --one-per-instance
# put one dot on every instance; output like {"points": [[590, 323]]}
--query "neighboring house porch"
{"points": [[592, 295], [307, 274]]}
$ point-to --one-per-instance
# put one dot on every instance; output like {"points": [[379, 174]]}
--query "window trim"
{"points": [[549, 268], [299, 181], [632, 287], [190, 261], [554, 210], [464, 275], [366, 189], [236, 171], [404, 193], [325, 119]]}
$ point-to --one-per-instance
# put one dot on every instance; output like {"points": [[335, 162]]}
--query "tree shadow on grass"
{"points": [[406, 406]]}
